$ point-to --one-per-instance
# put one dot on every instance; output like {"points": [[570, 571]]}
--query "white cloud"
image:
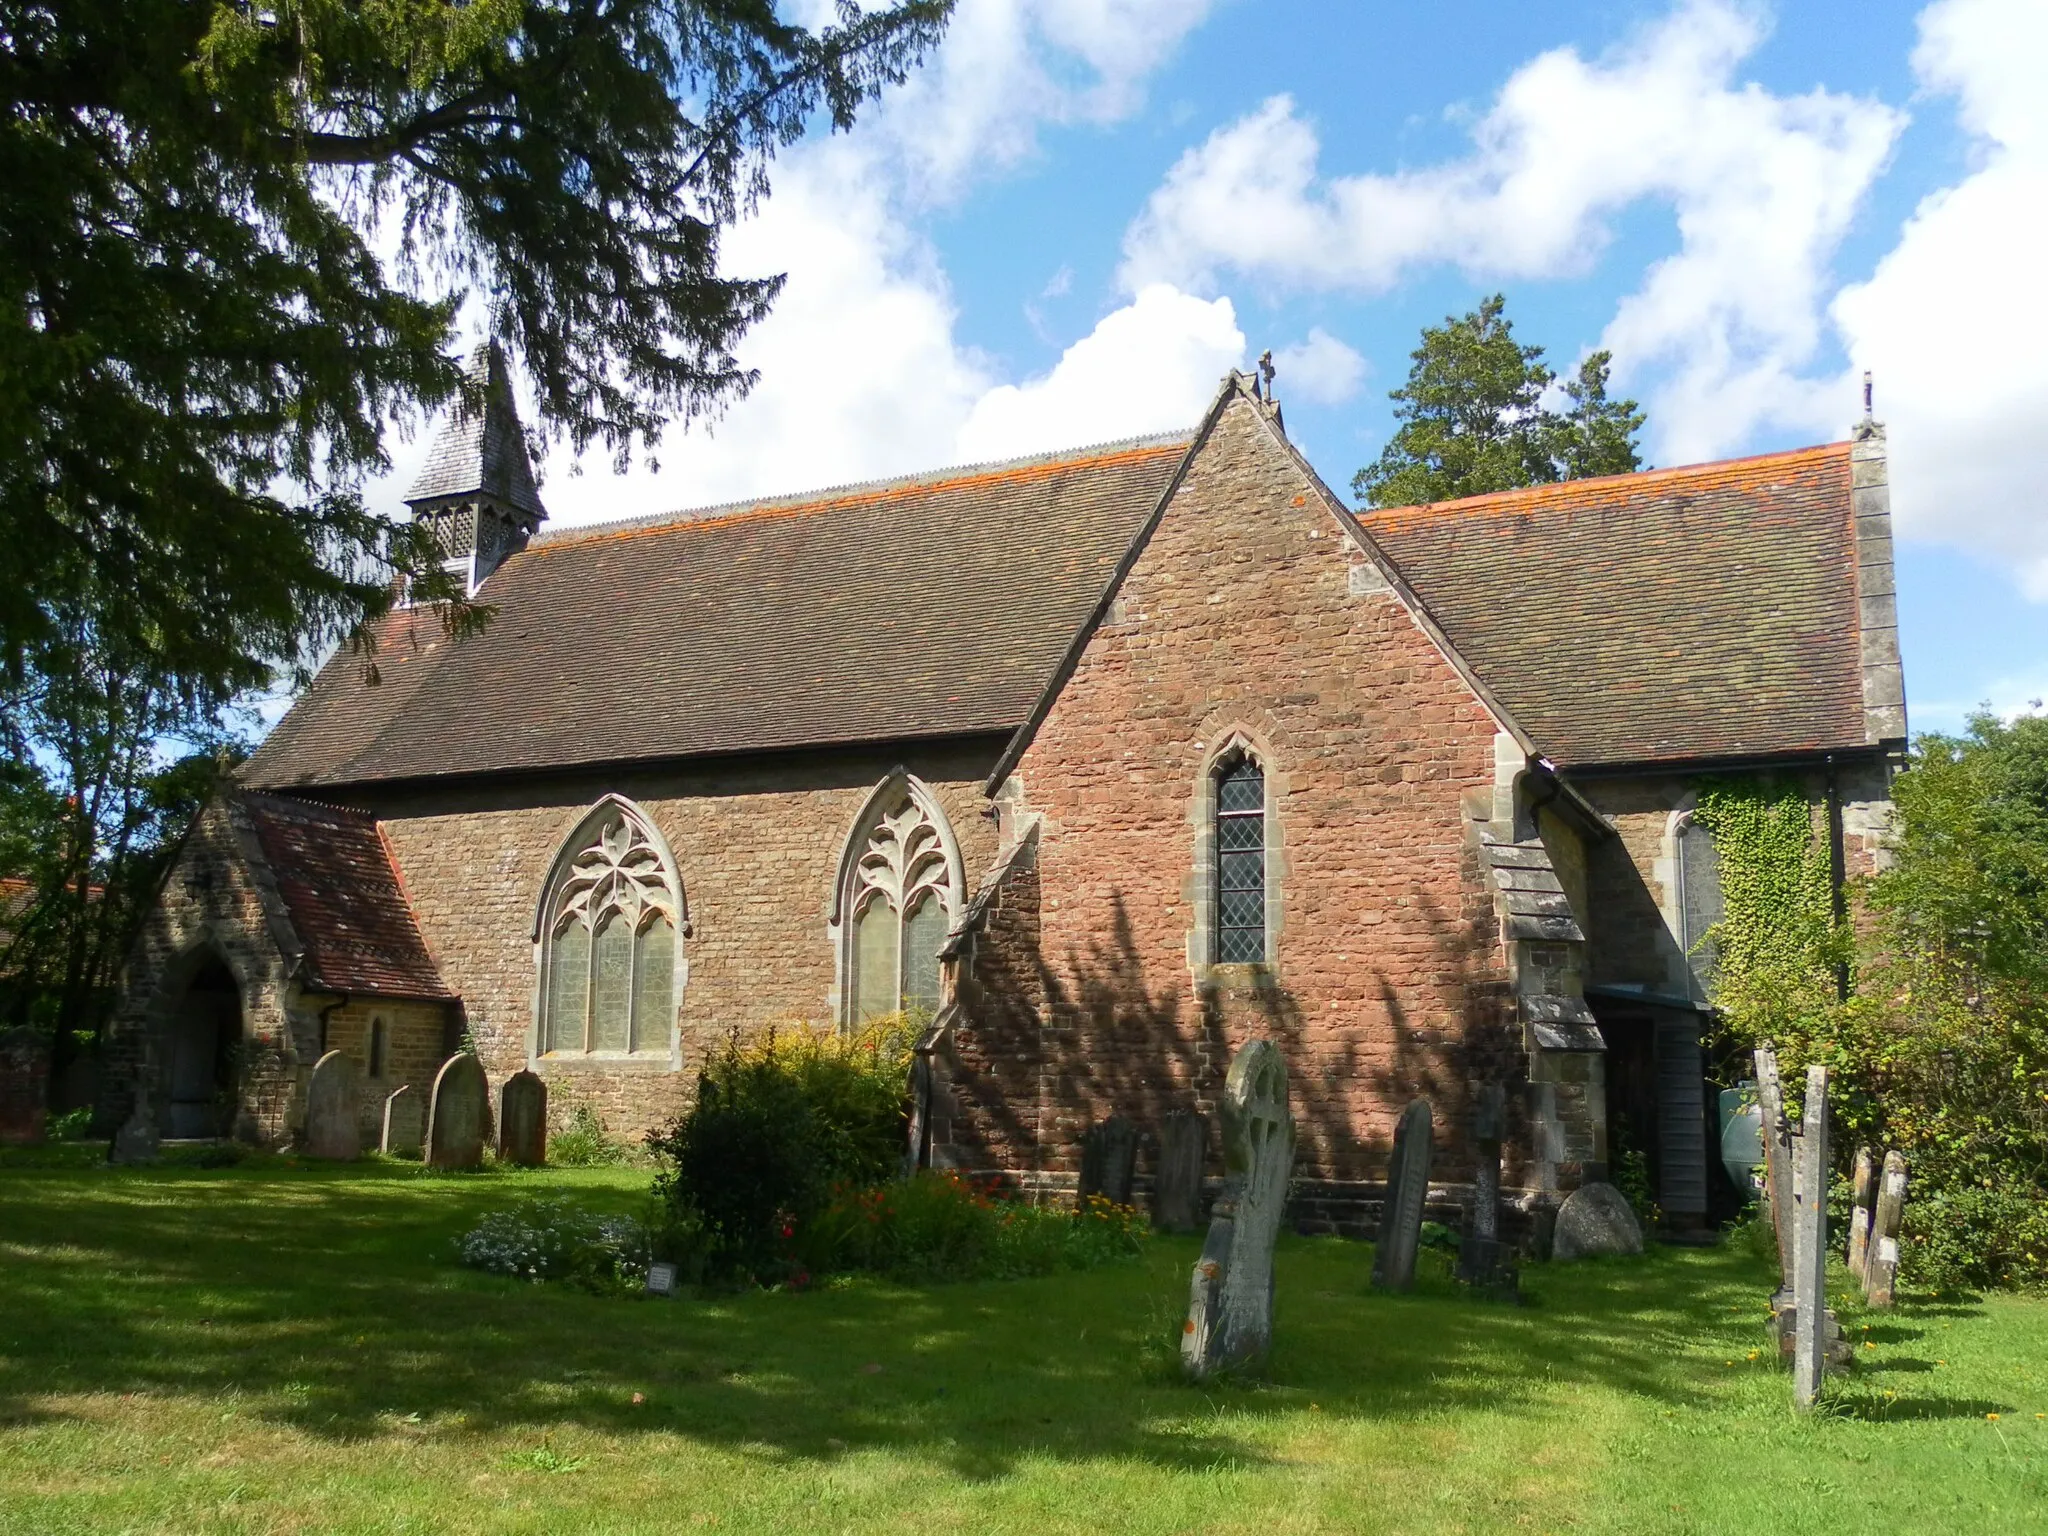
{"points": [[1319, 369], [1762, 186], [1951, 322], [1151, 366]]}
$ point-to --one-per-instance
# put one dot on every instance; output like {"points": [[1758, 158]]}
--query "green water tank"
{"points": [[1742, 1135]]}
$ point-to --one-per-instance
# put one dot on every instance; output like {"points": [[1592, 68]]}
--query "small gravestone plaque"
{"points": [[1860, 1210], [1810, 1247], [138, 1140], [404, 1121], [458, 1114], [1177, 1191], [1109, 1160], [1393, 1259], [1595, 1219], [523, 1120], [661, 1279], [331, 1128], [1230, 1301], [1881, 1266]]}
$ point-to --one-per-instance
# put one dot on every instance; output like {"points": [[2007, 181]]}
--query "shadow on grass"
{"points": [[329, 1300], [1884, 1408]]}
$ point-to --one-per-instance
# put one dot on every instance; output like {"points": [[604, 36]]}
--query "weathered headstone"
{"points": [[1770, 1098], [1109, 1160], [1595, 1219], [138, 1140], [1230, 1301], [1482, 1257], [458, 1114], [331, 1129], [1400, 1234], [1860, 1210], [1881, 1267], [1810, 1247], [523, 1120], [404, 1120], [1177, 1188]]}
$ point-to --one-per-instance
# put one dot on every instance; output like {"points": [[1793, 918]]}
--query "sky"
{"points": [[1069, 224]]}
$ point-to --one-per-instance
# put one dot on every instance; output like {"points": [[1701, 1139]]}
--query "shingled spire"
{"points": [[476, 490]]}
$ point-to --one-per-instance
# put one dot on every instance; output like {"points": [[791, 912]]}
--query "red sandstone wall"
{"points": [[758, 846], [1241, 615]]}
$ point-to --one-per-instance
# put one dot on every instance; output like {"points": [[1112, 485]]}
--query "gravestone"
{"points": [[1230, 1301], [1109, 1160], [1860, 1210], [1810, 1247], [1881, 1265], [1400, 1234], [403, 1123], [1177, 1190], [331, 1129], [1595, 1219], [138, 1140], [1482, 1257], [523, 1120], [1770, 1098], [458, 1114]]}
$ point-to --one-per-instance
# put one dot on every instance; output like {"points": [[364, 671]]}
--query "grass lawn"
{"points": [[268, 1348]]}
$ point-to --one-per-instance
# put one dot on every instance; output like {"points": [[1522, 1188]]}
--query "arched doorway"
{"points": [[205, 1027]]}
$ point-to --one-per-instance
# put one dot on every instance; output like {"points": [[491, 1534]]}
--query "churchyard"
{"points": [[280, 1346]]}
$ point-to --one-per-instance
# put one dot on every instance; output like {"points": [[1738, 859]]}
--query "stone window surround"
{"points": [[1668, 875], [574, 841], [1201, 891], [884, 800]]}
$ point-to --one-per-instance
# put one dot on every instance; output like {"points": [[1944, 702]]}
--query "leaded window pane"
{"points": [[874, 946], [611, 984], [654, 965], [1700, 900], [922, 936], [1240, 896], [568, 987]]}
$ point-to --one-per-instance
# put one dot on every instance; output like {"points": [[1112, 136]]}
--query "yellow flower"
{"points": [[1992, 1416]]}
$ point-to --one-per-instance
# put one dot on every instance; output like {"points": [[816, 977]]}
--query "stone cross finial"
{"points": [[1230, 1303]]}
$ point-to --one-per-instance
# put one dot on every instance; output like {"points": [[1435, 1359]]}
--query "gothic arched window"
{"points": [[1240, 861], [611, 966], [1700, 903], [899, 893]]}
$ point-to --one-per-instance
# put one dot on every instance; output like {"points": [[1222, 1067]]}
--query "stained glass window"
{"points": [[611, 958], [1240, 862]]}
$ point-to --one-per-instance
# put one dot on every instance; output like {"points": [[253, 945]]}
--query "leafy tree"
{"points": [[1472, 418], [234, 236]]}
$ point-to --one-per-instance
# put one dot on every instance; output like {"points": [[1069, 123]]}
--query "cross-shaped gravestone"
{"points": [[331, 1128], [1482, 1258], [1393, 1258], [1230, 1302]]}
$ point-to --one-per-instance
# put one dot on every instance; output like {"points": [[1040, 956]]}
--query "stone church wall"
{"points": [[758, 844], [1247, 616]]}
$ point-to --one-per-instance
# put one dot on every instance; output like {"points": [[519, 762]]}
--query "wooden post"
{"points": [[1810, 1277], [1881, 1265], [1770, 1098], [1859, 1213]]}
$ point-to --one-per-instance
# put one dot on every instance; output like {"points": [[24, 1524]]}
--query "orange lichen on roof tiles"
{"points": [[1609, 490], [1003, 475]]}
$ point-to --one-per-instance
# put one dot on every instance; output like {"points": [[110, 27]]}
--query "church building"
{"points": [[1099, 763]]}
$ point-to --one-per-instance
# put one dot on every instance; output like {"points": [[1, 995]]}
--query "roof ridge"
{"points": [[824, 496], [1561, 489]]}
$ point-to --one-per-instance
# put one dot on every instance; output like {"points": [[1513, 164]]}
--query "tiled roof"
{"points": [[935, 605], [335, 875], [481, 450], [1703, 612]]}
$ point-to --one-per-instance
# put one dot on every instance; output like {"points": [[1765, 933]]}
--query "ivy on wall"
{"points": [[1778, 944]]}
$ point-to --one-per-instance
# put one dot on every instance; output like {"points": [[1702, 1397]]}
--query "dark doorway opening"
{"points": [[1657, 1101], [206, 1028]]}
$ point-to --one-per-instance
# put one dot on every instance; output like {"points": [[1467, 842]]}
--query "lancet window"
{"points": [[610, 956], [900, 895], [1240, 896]]}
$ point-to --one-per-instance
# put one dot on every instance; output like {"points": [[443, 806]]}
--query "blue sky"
{"points": [[1081, 212]]}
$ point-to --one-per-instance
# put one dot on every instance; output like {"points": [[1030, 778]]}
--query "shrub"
{"points": [[778, 1122], [940, 1226], [72, 1125], [553, 1240], [583, 1143]]}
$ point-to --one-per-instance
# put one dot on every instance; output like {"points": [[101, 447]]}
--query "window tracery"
{"points": [[899, 897], [610, 954]]}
